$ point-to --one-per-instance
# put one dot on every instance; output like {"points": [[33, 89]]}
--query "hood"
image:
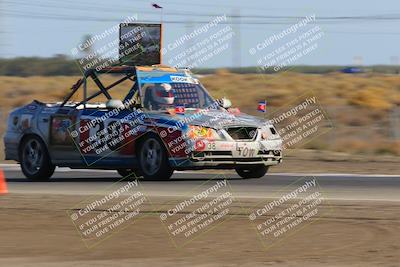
{"points": [[216, 119]]}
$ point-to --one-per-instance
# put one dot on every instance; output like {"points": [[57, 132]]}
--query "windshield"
{"points": [[162, 96]]}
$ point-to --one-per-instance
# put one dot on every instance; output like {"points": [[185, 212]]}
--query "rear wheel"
{"points": [[153, 159], [35, 160], [252, 172]]}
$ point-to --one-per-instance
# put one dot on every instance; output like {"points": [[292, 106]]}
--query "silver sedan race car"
{"points": [[167, 121]]}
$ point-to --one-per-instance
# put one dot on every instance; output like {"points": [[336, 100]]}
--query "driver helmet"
{"points": [[163, 94]]}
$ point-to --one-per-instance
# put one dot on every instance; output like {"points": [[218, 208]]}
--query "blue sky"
{"points": [[35, 27]]}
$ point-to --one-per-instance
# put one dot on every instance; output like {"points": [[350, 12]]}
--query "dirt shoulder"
{"points": [[36, 231], [314, 161]]}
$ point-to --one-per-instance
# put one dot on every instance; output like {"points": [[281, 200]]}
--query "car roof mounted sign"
{"points": [[140, 44]]}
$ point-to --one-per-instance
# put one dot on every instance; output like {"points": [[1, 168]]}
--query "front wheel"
{"points": [[153, 159], [252, 172], [35, 160]]}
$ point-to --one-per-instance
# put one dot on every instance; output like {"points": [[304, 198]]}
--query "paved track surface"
{"points": [[88, 182]]}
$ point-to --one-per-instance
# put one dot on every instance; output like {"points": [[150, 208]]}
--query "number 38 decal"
{"points": [[211, 146]]}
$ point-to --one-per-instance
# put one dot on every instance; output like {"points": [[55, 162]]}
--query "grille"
{"points": [[258, 159], [276, 153], [220, 153], [212, 153], [242, 133]]}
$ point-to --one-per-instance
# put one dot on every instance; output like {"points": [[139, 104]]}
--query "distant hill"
{"points": [[63, 65]]}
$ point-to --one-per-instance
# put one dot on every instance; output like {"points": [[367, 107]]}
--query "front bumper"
{"points": [[223, 162], [270, 157], [266, 153]]}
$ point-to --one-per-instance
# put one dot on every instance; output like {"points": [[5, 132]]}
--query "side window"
{"points": [[147, 97], [119, 91]]}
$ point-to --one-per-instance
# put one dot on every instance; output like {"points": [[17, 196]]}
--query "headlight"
{"points": [[200, 132], [269, 133]]}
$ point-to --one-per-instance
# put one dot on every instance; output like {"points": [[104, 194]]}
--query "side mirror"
{"points": [[225, 103], [114, 104]]}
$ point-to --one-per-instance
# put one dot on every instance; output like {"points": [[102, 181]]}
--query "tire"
{"points": [[252, 172], [128, 172], [153, 159], [35, 160]]}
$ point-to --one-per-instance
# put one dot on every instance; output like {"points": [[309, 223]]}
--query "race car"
{"points": [[167, 121]]}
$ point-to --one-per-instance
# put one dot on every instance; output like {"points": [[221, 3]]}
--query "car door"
{"points": [[104, 138], [63, 137]]}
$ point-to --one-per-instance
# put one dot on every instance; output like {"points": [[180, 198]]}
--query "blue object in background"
{"points": [[352, 70]]}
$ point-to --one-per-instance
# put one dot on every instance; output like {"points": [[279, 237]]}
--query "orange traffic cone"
{"points": [[3, 184]]}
